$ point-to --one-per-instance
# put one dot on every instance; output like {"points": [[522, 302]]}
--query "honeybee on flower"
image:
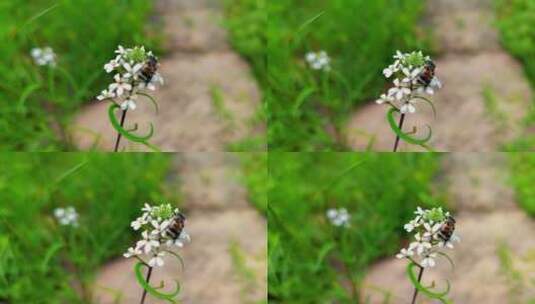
{"points": [[413, 74], [135, 69], [434, 230], [413, 79], [162, 229]]}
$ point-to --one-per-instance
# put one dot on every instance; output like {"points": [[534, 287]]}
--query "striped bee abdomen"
{"points": [[175, 228]]}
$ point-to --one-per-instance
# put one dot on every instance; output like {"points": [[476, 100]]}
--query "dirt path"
{"points": [[494, 261], [226, 261], [485, 94], [210, 97]]}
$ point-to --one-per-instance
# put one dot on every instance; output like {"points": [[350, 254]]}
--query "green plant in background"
{"points": [[247, 21], [515, 20], [306, 107], [162, 229], [434, 232], [37, 261], [313, 256], [523, 178], [35, 112], [255, 177], [414, 76], [136, 71]]}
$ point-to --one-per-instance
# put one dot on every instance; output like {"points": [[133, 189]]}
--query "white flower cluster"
{"points": [[319, 61], [428, 225], [130, 67], [44, 56], [413, 74], [66, 216], [156, 238], [339, 217]]}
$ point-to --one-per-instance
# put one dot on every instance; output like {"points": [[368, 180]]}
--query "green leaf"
{"points": [[39, 15], [152, 290], [128, 135], [310, 21], [49, 254], [321, 256], [71, 171], [25, 94], [412, 140], [70, 79], [301, 99], [441, 296]]}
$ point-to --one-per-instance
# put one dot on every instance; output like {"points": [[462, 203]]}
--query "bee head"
{"points": [[180, 216], [430, 64], [153, 60]]}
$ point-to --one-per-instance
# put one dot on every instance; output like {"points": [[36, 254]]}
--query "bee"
{"points": [[177, 225], [446, 231], [150, 68], [427, 74]]}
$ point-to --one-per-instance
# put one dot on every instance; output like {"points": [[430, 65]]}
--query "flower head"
{"points": [[319, 61], [339, 217], [44, 56], [66, 216], [156, 238], [430, 236], [413, 75], [135, 69]]}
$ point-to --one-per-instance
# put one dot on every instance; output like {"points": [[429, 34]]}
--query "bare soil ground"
{"points": [[485, 94], [226, 260], [210, 98], [494, 262]]}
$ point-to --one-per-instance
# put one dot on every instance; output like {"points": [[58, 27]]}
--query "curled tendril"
{"points": [[441, 296], [128, 134], [154, 103], [178, 257], [134, 128], [405, 136], [429, 102], [154, 290], [447, 258]]}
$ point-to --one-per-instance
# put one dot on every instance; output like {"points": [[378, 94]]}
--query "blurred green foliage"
{"points": [[516, 21], [36, 103], [247, 22], [41, 262], [310, 261], [523, 179], [255, 178], [360, 36]]}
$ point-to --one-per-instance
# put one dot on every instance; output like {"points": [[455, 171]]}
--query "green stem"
{"points": [[420, 274], [401, 120], [51, 84], [123, 117], [147, 279]]}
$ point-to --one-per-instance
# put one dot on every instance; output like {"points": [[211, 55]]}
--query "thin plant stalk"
{"points": [[123, 117], [147, 279], [420, 274], [401, 120]]}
